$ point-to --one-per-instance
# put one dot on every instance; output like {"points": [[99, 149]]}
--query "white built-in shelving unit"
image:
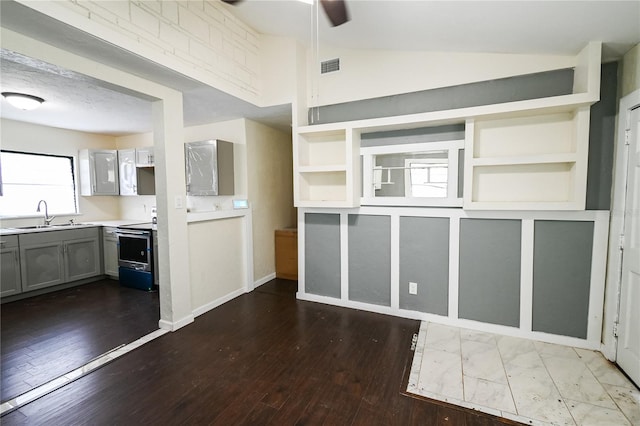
{"points": [[522, 155], [327, 167]]}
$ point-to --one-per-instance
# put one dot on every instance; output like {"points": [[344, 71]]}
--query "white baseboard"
{"points": [[455, 322], [264, 280], [219, 301], [173, 326]]}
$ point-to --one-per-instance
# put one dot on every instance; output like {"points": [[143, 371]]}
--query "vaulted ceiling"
{"points": [[81, 103]]}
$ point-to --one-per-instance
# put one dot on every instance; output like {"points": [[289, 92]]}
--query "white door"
{"points": [[628, 356]]}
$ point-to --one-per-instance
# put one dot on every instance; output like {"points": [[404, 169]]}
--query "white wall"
{"points": [[368, 74], [631, 71], [216, 261], [270, 175], [19, 136]]}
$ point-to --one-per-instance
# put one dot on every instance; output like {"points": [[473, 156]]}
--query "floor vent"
{"points": [[331, 65]]}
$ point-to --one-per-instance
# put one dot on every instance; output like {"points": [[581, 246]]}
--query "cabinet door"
{"points": [[201, 167], [10, 282], [144, 157], [42, 265], [82, 258], [105, 172], [127, 169], [110, 250]]}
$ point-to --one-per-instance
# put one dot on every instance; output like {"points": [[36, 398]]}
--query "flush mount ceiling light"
{"points": [[22, 100]]}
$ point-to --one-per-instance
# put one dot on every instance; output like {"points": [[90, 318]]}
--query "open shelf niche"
{"points": [[328, 168], [533, 162]]}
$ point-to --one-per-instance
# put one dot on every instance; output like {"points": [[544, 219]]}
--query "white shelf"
{"points": [[323, 169], [533, 159]]}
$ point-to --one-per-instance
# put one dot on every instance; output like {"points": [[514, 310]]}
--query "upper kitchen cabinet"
{"points": [[136, 172], [144, 157], [98, 172], [209, 167]]}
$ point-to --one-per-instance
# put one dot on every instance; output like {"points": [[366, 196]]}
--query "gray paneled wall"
{"points": [[561, 277], [450, 132], [424, 259], [489, 288], [518, 88], [322, 254], [370, 259], [489, 267]]}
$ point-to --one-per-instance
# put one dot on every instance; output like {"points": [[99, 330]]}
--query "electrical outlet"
{"points": [[413, 288]]}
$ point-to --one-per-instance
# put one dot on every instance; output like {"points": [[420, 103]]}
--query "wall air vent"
{"points": [[330, 66]]}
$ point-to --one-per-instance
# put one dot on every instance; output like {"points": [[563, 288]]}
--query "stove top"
{"points": [[149, 226]]}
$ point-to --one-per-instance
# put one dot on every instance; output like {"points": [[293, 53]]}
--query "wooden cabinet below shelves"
{"points": [[287, 254]]}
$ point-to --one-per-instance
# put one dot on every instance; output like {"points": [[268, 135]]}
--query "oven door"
{"points": [[134, 249]]}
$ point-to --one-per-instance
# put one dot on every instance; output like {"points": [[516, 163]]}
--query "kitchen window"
{"points": [[26, 178]]}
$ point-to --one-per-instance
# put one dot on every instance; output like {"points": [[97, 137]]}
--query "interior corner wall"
{"points": [[630, 71], [270, 179], [368, 74], [26, 137]]}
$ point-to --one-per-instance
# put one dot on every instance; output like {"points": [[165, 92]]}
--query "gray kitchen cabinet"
{"points": [[58, 257], [10, 282], [98, 172], [82, 258], [110, 251], [209, 167]]}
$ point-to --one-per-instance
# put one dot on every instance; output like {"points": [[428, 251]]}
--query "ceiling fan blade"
{"points": [[231, 1], [336, 11]]}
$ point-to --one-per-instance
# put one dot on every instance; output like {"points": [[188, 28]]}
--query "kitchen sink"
{"points": [[53, 226]]}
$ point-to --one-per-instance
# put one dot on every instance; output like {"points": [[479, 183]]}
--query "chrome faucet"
{"points": [[47, 218]]}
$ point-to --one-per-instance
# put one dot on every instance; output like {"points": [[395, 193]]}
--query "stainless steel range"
{"points": [[136, 263]]}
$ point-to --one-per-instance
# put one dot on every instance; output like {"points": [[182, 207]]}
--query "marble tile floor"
{"points": [[523, 380]]}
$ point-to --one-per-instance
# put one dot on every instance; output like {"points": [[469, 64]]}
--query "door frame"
{"points": [[616, 227]]}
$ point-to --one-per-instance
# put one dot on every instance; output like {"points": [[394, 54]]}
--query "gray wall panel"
{"points": [[518, 88], [602, 127], [450, 132], [370, 259], [424, 259], [561, 277], [322, 254], [489, 289]]}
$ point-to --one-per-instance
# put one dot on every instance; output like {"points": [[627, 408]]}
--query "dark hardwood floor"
{"points": [[262, 358], [46, 336]]}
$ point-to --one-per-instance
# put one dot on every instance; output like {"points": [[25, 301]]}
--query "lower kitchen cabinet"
{"points": [[110, 251], [10, 282], [58, 257]]}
